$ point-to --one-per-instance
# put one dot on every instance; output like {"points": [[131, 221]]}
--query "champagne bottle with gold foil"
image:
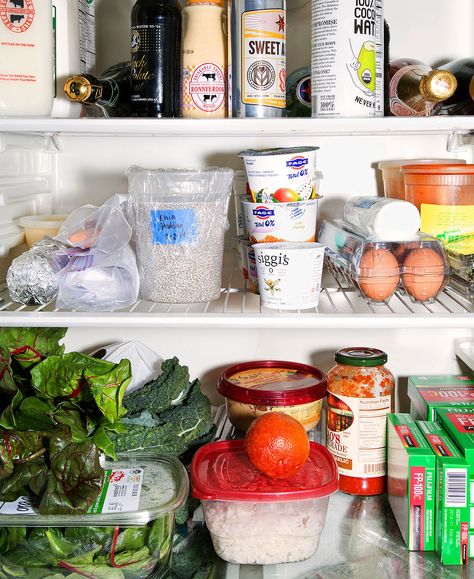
{"points": [[156, 58], [416, 90], [110, 91], [462, 101]]}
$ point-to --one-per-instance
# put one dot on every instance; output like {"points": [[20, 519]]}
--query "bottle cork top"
{"points": [[219, 3], [438, 85]]}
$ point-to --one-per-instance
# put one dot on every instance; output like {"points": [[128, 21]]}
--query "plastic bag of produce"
{"points": [[146, 363], [102, 273], [179, 218]]}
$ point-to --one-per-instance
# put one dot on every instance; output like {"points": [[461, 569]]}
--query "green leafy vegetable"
{"points": [[28, 346], [75, 478], [160, 394], [18, 447]]}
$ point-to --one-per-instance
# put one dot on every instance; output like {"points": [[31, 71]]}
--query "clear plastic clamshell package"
{"points": [[179, 218], [254, 519], [127, 532], [378, 268]]}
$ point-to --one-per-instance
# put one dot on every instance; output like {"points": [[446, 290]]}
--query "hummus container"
{"points": [[128, 531], [281, 175], [255, 388], [273, 222], [289, 274], [38, 226], [254, 519]]}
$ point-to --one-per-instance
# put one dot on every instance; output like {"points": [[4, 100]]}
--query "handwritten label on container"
{"points": [[173, 226]]}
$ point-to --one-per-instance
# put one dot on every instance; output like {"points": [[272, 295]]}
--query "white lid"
{"points": [[397, 220]]}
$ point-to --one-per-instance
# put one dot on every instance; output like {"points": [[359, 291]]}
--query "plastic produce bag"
{"points": [[102, 273], [179, 218], [146, 364]]}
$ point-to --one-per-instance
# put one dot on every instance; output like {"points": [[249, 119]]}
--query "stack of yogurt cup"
{"points": [[280, 209]]}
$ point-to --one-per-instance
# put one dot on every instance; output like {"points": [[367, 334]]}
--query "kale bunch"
{"points": [[167, 415]]}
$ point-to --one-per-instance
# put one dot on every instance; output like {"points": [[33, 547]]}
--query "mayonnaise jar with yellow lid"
{"points": [[255, 388]]}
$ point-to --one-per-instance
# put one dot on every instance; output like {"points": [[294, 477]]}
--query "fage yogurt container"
{"points": [[255, 388], [281, 175]]}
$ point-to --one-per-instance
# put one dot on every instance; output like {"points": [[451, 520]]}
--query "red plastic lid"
{"points": [[439, 169], [222, 471], [272, 383]]}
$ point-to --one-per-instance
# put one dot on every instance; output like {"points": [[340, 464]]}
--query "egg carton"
{"points": [[418, 266]]}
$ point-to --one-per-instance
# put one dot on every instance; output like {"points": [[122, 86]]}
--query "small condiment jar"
{"points": [[360, 395]]}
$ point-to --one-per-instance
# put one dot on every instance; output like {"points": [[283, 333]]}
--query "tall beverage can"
{"points": [[347, 58], [257, 58]]}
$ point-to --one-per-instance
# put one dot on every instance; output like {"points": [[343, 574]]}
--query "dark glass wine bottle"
{"points": [[416, 89], [110, 90], [462, 101], [156, 58]]}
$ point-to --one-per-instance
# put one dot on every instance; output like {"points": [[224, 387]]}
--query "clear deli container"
{"points": [[128, 532], [418, 266], [38, 226], [255, 388], [254, 519], [392, 176]]}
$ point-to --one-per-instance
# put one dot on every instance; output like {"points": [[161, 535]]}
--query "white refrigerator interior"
{"points": [[56, 165]]}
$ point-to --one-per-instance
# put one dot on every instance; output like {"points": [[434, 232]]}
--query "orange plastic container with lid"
{"points": [[439, 184], [392, 176], [360, 395]]}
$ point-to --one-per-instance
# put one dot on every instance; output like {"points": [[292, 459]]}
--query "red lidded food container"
{"points": [[255, 388], [254, 519]]}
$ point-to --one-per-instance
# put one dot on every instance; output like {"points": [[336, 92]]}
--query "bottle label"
{"points": [[264, 58], [17, 15], [146, 41], [203, 88], [356, 434]]}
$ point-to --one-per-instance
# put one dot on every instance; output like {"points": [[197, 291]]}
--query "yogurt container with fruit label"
{"points": [[272, 222], [281, 175]]}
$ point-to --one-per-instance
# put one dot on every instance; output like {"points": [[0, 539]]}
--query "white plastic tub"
{"points": [[254, 519]]}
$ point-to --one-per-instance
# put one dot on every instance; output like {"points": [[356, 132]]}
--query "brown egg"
{"points": [[423, 273], [378, 275]]}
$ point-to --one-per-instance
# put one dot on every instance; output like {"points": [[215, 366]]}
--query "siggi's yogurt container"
{"points": [[272, 222], [281, 175], [254, 388], [289, 274]]}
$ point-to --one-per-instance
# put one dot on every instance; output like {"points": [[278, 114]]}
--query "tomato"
{"points": [[285, 195]]}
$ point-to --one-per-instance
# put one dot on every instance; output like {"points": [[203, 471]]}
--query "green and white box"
{"points": [[411, 482], [452, 495], [429, 393]]}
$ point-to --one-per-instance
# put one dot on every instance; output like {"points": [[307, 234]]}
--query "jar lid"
{"points": [[222, 471], [272, 383], [361, 357]]}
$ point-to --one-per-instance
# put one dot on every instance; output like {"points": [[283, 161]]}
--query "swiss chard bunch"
{"points": [[108, 552], [57, 412]]}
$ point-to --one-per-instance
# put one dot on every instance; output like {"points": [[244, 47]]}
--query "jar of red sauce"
{"points": [[360, 395]]}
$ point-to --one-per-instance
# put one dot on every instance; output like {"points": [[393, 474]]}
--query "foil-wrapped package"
{"points": [[32, 278]]}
